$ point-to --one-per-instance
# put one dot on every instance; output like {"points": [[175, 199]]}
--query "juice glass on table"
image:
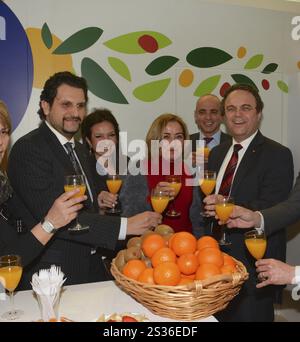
{"points": [[224, 207], [175, 183], [10, 275], [159, 200], [114, 183], [76, 182]]}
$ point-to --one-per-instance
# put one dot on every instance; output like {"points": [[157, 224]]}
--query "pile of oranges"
{"points": [[180, 259]]}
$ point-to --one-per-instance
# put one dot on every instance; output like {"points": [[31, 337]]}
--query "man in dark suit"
{"points": [[208, 118], [263, 177], [38, 164]]}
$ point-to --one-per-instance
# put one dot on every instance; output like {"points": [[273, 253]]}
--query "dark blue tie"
{"points": [[73, 159]]}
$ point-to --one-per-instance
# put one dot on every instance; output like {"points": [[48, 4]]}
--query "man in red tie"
{"points": [[258, 173]]}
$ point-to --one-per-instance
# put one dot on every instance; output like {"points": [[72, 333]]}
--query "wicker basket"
{"points": [[188, 302]]}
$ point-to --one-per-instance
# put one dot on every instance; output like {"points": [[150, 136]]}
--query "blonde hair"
{"points": [[158, 125], [6, 122]]}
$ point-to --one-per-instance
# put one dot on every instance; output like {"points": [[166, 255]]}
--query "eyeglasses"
{"points": [[244, 109]]}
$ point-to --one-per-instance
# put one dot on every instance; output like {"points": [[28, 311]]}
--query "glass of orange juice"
{"points": [[175, 183], [159, 200], [76, 182], [113, 183], [10, 275], [207, 183], [224, 207]]}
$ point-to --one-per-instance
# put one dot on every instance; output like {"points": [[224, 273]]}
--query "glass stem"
{"points": [[12, 302]]}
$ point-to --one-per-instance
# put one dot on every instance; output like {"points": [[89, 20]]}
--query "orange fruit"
{"points": [[207, 241], [184, 281], [188, 263], [211, 256], [164, 254], [183, 243], [147, 276], [134, 268], [206, 271], [228, 260], [190, 276], [167, 273], [152, 243], [228, 269]]}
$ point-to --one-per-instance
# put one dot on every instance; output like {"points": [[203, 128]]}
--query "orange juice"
{"points": [[207, 185], [204, 151], [114, 185], [10, 277], [159, 203], [224, 210], [257, 247], [176, 187], [82, 189]]}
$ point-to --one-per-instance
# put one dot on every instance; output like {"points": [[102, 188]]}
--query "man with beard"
{"points": [[38, 164]]}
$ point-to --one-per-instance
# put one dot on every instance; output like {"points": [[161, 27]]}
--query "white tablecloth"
{"points": [[85, 303]]}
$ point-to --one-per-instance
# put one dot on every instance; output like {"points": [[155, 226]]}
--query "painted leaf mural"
{"points": [[79, 41], [138, 42], [152, 91], [120, 67], [254, 62], [47, 36], [207, 86], [268, 69], [283, 86], [100, 83], [160, 65], [207, 57], [243, 79]]}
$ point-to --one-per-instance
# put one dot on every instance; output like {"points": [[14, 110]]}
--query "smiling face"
{"points": [[207, 115], [67, 111], [241, 116], [173, 133]]}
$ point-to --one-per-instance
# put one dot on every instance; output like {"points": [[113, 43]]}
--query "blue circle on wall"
{"points": [[16, 65]]}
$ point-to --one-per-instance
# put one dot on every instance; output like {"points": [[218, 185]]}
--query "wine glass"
{"points": [[114, 183], [159, 200], [175, 183], [207, 183], [76, 182], [10, 275], [224, 207]]}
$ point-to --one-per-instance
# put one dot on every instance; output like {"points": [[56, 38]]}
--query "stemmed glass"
{"points": [[10, 275], [76, 182], [207, 183], [175, 183], [114, 183], [159, 200], [224, 207]]}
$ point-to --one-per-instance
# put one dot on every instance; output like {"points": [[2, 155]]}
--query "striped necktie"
{"points": [[73, 159]]}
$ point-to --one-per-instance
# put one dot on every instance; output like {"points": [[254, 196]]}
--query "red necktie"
{"points": [[229, 172]]}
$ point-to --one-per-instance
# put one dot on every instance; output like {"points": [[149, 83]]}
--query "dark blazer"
{"points": [[196, 136], [264, 177], [284, 213], [38, 164]]}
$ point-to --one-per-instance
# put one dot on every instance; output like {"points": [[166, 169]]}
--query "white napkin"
{"points": [[47, 284]]}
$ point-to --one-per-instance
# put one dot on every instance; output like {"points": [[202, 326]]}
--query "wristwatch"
{"points": [[48, 226]]}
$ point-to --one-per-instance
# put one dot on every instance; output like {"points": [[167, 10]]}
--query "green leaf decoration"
{"points": [[79, 41], [152, 91], [128, 43], [99, 83], [283, 86], [120, 67], [160, 65], [242, 79], [47, 36], [254, 62], [268, 69], [207, 57], [207, 86]]}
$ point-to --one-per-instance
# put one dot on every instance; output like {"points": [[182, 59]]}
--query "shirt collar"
{"points": [[245, 143], [62, 139], [216, 136]]}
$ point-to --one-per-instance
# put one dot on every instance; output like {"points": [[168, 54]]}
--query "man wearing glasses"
{"points": [[258, 173]]}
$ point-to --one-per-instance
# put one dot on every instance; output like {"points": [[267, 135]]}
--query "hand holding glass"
{"points": [[76, 182], [10, 275], [175, 183], [114, 183], [224, 207]]}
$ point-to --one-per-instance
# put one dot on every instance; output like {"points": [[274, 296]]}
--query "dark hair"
{"points": [[50, 88], [97, 116], [246, 87]]}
